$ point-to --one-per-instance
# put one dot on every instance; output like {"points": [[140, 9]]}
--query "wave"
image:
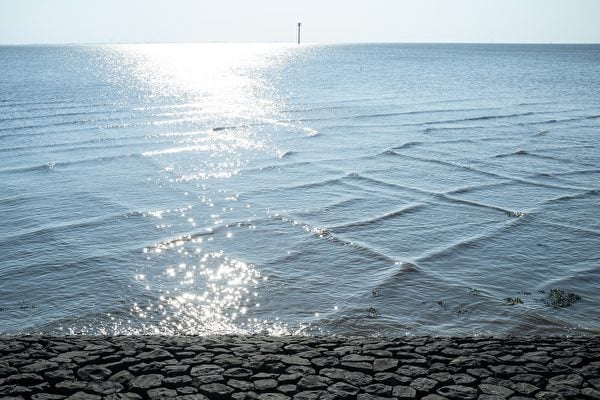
{"points": [[35, 233], [444, 251], [358, 224], [51, 166], [326, 234], [69, 114], [567, 197], [286, 154], [579, 228]]}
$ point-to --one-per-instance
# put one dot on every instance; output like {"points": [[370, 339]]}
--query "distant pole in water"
{"points": [[299, 25]]}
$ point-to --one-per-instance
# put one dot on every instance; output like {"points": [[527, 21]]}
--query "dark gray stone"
{"points": [[384, 364], [39, 367], [216, 390], [424, 385], [458, 392], [273, 396], [265, 384], [411, 370], [351, 377], [161, 393], [404, 392], [495, 390], [145, 382], [94, 373], [571, 380], [310, 382], [210, 369], [84, 396], [240, 385], [343, 390]]}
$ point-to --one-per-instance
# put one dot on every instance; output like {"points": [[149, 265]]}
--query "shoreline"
{"points": [[299, 367]]}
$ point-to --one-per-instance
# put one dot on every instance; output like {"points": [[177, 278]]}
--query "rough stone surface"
{"points": [[283, 368]]}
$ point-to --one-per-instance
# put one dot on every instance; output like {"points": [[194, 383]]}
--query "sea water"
{"points": [[378, 189]]}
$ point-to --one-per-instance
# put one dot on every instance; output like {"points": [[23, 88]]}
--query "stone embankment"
{"points": [[274, 368]]}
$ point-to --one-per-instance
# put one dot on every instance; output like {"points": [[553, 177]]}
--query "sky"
{"points": [[324, 21]]}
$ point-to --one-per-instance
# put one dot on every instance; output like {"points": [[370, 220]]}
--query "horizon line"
{"points": [[294, 43]]}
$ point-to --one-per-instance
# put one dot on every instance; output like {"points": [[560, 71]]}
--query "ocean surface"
{"points": [[377, 189]]}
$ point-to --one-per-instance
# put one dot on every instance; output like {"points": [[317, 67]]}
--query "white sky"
{"points": [[110, 21]]}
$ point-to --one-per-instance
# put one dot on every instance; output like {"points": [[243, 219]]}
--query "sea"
{"points": [[354, 189]]}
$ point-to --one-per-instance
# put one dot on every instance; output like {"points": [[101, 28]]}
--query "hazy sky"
{"points": [[108, 21]]}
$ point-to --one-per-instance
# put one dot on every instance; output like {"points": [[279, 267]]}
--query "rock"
{"points": [[463, 379], [207, 370], [69, 387], [265, 384], [571, 380], [23, 379], [325, 362], [161, 393], [273, 396], [549, 396], [351, 377], [104, 388], [59, 375], [392, 379], [94, 373], [122, 377], [404, 392], [495, 390], [379, 389], [216, 391], [240, 385], [591, 393], [458, 392], [39, 367], [47, 396], [524, 388], [83, 396], [294, 360], [411, 370], [314, 382], [424, 385], [343, 390], [144, 382], [384, 364]]}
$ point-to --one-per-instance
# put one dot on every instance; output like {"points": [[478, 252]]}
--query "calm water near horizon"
{"points": [[378, 189]]}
